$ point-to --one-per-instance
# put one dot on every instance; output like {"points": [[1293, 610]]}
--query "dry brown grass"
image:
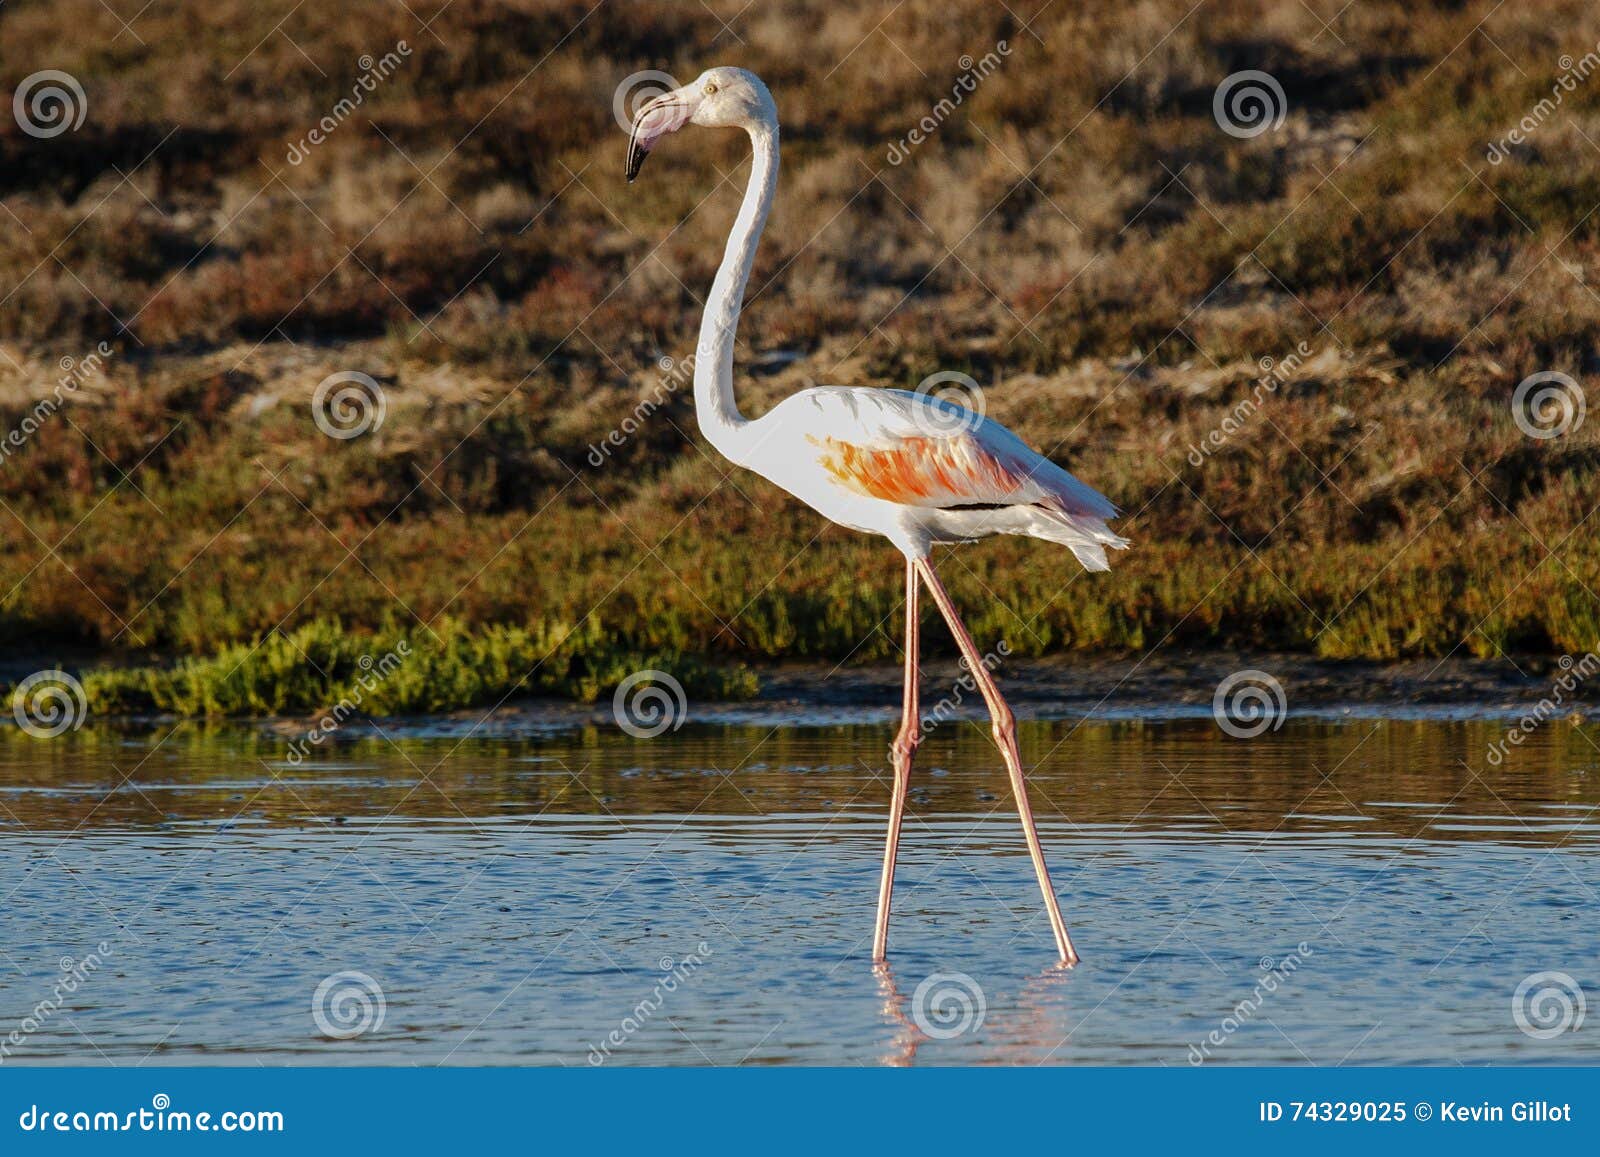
{"points": [[1079, 235]]}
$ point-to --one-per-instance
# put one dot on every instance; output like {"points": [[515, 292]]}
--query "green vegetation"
{"points": [[394, 673], [1121, 268]]}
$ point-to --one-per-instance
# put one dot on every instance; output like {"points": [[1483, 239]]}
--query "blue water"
{"points": [[1364, 892]]}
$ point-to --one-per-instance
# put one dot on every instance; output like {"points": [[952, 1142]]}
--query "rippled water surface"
{"points": [[1364, 892]]}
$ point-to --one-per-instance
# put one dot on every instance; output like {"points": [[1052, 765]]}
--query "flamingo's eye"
{"points": [[711, 88]]}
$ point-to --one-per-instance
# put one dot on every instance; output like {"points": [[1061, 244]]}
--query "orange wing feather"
{"points": [[923, 471]]}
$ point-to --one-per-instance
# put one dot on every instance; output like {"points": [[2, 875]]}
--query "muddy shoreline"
{"points": [[1156, 688], [1166, 686]]}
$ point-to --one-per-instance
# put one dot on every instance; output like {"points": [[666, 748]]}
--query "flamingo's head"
{"points": [[718, 97]]}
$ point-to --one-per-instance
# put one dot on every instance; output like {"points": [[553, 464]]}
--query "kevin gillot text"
{"points": [[1447, 1112], [1519, 1111]]}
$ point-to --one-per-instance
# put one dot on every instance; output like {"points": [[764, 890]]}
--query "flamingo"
{"points": [[916, 468]]}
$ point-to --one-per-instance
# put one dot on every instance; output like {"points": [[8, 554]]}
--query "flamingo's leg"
{"points": [[905, 746], [1005, 737]]}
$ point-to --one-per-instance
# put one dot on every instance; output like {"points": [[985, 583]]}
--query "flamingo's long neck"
{"points": [[715, 407]]}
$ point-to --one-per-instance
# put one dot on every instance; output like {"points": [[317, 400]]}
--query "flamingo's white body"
{"points": [[918, 470]]}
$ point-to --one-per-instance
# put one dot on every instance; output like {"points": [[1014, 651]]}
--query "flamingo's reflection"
{"points": [[902, 1050], [1034, 1028]]}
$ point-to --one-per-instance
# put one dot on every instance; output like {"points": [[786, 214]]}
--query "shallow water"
{"points": [[1362, 892]]}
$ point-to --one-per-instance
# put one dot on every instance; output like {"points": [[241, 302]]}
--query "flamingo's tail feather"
{"points": [[1086, 536]]}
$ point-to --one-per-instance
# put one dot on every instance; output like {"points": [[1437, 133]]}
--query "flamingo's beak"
{"points": [[668, 113]]}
